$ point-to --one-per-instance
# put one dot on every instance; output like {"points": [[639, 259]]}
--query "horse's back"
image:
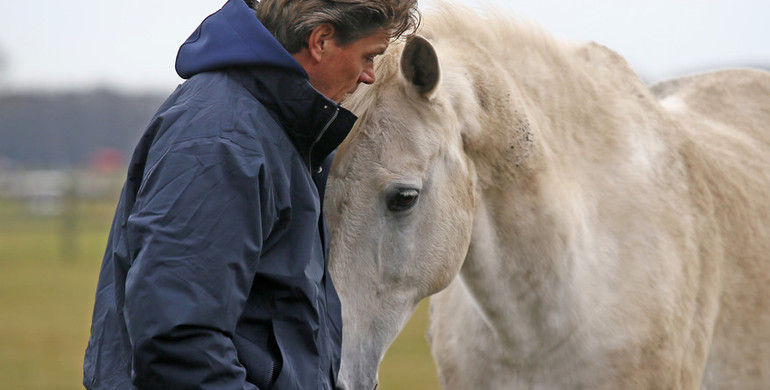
{"points": [[724, 122], [737, 98]]}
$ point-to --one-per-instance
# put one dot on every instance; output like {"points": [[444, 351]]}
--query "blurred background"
{"points": [[79, 81]]}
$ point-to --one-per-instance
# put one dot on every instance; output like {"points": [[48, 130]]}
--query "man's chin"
{"points": [[343, 97]]}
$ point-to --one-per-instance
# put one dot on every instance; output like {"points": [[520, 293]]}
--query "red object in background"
{"points": [[107, 160]]}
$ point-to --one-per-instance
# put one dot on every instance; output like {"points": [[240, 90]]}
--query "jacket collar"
{"points": [[315, 124]]}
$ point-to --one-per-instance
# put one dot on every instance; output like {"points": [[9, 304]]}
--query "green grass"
{"points": [[48, 272], [46, 294]]}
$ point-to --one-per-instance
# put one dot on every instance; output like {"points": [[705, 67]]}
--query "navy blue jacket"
{"points": [[215, 274]]}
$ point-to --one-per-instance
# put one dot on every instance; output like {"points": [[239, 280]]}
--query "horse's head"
{"points": [[399, 205]]}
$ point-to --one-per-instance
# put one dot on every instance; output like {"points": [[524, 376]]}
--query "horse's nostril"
{"points": [[375, 386]]}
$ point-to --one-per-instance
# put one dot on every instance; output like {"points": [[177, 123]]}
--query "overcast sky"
{"points": [[131, 45]]}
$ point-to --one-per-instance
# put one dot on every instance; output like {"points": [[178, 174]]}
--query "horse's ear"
{"points": [[419, 64]]}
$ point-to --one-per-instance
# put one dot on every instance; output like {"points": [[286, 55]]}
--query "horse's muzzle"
{"points": [[342, 386]]}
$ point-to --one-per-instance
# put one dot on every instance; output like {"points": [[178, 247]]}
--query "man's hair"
{"points": [[292, 21]]}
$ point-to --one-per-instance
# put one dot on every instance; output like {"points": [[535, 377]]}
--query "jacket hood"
{"points": [[232, 37]]}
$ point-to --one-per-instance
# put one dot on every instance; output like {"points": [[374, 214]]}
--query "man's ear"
{"points": [[319, 40]]}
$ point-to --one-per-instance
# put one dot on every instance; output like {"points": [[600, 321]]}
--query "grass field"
{"points": [[48, 271]]}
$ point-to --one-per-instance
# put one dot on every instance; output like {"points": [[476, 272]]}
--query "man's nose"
{"points": [[367, 75]]}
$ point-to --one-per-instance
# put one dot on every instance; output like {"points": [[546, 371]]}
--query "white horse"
{"points": [[578, 229]]}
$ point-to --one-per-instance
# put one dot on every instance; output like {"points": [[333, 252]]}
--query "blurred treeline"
{"points": [[67, 128]]}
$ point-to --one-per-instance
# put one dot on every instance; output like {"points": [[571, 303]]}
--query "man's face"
{"points": [[342, 68]]}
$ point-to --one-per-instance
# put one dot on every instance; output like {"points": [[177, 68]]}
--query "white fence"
{"points": [[45, 191]]}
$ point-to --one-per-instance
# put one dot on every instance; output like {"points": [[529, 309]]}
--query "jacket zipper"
{"points": [[320, 135]]}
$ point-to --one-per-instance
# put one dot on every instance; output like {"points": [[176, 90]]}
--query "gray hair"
{"points": [[292, 21]]}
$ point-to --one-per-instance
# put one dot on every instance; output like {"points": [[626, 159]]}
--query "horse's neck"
{"points": [[518, 270], [589, 98], [533, 219]]}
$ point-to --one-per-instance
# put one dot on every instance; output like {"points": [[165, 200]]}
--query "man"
{"points": [[215, 274]]}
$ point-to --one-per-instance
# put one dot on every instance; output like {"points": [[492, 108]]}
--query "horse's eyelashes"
{"points": [[403, 200]]}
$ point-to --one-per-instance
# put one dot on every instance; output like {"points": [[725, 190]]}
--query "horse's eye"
{"points": [[402, 200]]}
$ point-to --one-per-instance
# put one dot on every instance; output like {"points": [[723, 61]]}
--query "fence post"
{"points": [[70, 223]]}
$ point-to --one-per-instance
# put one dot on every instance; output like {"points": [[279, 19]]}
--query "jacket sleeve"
{"points": [[195, 234]]}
